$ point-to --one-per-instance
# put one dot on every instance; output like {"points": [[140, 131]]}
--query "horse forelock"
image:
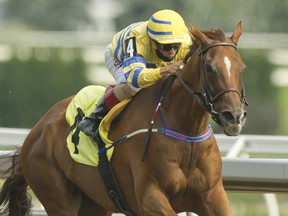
{"points": [[215, 34]]}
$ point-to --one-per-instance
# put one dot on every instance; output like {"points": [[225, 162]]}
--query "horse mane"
{"points": [[213, 34]]}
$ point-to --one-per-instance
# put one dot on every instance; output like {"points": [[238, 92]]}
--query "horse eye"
{"points": [[209, 68]]}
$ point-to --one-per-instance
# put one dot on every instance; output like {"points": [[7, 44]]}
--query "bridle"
{"points": [[204, 97]]}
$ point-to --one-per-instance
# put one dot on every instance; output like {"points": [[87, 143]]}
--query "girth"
{"points": [[110, 180]]}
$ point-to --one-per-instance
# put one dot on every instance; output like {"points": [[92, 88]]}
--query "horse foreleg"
{"points": [[88, 207], [215, 203], [152, 201]]}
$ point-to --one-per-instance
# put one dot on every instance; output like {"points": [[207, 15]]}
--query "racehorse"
{"points": [[178, 174]]}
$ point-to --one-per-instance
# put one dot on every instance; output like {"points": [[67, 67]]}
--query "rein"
{"points": [[168, 85], [205, 97]]}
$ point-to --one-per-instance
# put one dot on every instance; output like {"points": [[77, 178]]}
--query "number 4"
{"points": [[130, 45]]}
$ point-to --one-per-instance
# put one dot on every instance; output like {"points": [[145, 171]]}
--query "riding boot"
{"points": [[90, 124]]}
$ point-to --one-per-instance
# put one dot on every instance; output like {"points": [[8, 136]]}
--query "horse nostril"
{"points": [[245, 114], [234, 117], [228, 116], [244, 117]]}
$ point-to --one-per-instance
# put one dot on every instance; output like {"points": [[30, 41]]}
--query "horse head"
{"points": [[220, 87]]}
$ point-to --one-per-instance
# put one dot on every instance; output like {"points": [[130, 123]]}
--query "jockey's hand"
{"points": [[172, 68]]}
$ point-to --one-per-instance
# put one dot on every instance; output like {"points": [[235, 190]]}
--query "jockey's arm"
{"points": [[140, 76]]}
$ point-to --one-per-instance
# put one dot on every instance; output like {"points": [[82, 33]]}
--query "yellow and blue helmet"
{"points": [[166, 27]]}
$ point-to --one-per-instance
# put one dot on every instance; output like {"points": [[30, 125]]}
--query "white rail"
{"points": [[12, 136], [251, 143]]}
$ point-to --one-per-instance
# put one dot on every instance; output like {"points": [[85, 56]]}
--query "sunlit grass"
{"points": [[253, 204]]}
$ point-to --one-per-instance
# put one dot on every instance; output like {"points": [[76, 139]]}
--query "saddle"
{"points": [[85, 150], [81, 147]]}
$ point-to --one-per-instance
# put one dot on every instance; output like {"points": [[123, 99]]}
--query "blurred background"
{"points": [[50, 49]]}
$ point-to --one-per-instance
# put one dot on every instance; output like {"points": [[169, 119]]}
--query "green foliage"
{"points": [[257, 16], [143, 11], [258, 72], [48, 14], [29, 88], [282, 110], [260, 92]]}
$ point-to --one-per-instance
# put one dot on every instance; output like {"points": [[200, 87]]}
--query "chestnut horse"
{"points": [[177, 175]]}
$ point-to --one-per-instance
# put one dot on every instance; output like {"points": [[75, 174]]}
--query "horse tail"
{"points": [[14, 199]]}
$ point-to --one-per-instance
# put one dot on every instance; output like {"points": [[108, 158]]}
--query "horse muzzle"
{"points": [[232, 121]]}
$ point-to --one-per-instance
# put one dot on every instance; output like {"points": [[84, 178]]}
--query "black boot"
{"points": [[90, 124]]}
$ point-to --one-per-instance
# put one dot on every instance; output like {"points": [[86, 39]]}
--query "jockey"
{"points": [[138, 57]]}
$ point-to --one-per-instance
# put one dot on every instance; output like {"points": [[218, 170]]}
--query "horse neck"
{"points": [[180, 108]]}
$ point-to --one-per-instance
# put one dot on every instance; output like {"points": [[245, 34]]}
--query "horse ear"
{"points": [[199, 36], [237, 33]]}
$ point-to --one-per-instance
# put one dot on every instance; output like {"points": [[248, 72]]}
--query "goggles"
{"points": [[167, 47]]}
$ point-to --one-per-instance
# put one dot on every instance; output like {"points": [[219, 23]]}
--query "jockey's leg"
{"points": [[112, 96]]}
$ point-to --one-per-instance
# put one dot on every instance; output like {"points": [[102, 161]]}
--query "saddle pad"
{"points": [[104, 126], [85, 150]]}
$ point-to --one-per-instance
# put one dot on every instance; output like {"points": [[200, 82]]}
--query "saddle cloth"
{"points": [[82, 148]]}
